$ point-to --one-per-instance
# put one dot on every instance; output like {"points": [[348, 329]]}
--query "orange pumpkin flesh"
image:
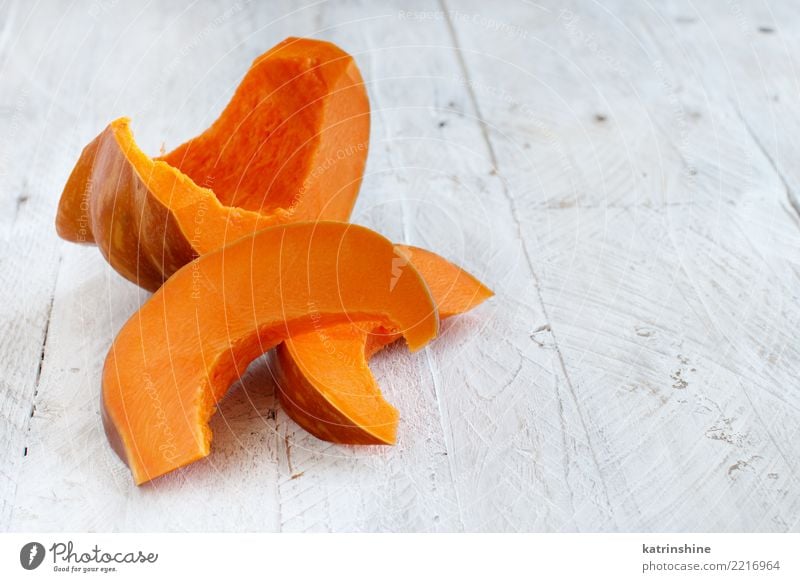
{"points": [[324, 379], [176, 357], [290, 146]]}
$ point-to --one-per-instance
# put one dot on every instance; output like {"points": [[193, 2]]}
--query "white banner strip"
{"points": [[388, 557]]}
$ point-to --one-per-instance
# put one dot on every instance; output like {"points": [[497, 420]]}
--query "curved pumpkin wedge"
{"points": [[290, 146], [177, 356], [324, 380]]}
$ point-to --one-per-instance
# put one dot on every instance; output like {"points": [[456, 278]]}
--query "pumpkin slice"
{"points": [[324, 381], [177, 356], [290, 146]]}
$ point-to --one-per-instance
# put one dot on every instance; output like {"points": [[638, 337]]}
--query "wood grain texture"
{"points": [[621, 174]]}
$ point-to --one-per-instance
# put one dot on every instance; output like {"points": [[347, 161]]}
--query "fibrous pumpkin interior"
{"points": [[176, 357], [290, 146], [260, 154], [323, 376]]}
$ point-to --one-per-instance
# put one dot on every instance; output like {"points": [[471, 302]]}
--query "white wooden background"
{"points": [[625, 175]]}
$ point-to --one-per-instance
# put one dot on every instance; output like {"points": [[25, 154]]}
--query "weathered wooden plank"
{"points": [[499, 404], [30, 258], [70, 478], [743, 53], [408, 487], [654, 262]]}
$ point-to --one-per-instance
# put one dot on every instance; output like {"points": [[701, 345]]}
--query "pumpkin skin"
{"points": [[176, 357], [290, 146], [323, 377]]}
